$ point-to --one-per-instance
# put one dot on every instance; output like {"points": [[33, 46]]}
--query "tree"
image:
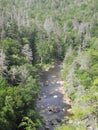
{"points": [[27, 52], [3, 63]]}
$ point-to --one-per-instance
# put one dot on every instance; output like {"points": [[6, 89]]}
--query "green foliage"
{"points": [[19, 88], [64, 127], [3, 83], [12, 30], [28, 124], [70, 127], [32, 34], [85, 78], [43, 50], [12, 50], [18, 102]]}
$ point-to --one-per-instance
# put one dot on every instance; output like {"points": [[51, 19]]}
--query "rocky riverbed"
{"points": [[52, 103]]}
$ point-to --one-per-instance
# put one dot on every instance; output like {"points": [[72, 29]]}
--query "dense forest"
{"points": [[35, 33]]}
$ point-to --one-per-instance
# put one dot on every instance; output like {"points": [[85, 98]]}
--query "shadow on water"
{"points": [[51, 103]]}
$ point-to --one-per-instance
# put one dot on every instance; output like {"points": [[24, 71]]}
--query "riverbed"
{"points": [[52, 103]]}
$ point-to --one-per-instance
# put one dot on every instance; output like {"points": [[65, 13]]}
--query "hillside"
{"points": [[35, 34]]}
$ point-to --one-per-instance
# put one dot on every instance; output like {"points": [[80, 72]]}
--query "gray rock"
{"points": [[54, 109], [46, 127], [53, 122], [58, 120]]}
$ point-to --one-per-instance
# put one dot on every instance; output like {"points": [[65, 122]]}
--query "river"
{"points": [[52, 103]]}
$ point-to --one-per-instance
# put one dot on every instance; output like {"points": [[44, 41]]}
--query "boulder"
{"points": [[53, 122], [53, 109]]}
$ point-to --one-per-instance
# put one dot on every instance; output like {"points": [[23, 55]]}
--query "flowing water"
{"points": [[52, 101]]}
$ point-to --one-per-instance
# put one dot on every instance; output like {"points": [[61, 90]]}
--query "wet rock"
{"points": [[46, 127], [58, 120], [39, 98], [46, 83], [50, 109], [53, 109], [53, 122], [56, 109], [46, 122]]}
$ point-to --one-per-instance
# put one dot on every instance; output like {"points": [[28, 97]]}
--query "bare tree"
{"points": [[27, 52], [3, 62], [24, 73], [83, 60]]}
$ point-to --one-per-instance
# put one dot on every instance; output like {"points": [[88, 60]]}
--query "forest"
{"points": [[34, 34]]}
